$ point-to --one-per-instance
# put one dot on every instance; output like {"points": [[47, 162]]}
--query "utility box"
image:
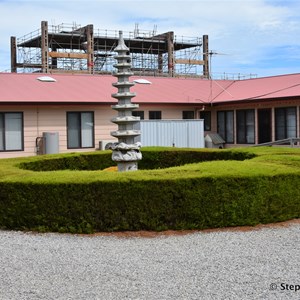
{"points": [[50, 142], [103, 143], [172, 133], [214, 140]]}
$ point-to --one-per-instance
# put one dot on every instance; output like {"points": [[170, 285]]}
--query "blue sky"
{"points": [[259, 36]]}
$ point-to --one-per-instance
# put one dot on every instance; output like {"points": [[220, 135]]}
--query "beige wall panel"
{"points": [[168, 112], [52, 118]]}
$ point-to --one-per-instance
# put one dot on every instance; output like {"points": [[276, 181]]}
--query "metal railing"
{"points": [[290, 141]]}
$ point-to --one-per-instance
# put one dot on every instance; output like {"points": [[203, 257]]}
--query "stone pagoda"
{"points": [[125, 152]]}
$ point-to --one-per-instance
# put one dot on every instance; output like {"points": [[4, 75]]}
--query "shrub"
{"points": [[152, 159], [207, 189]]}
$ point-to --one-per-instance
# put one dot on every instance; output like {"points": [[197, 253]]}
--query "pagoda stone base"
{"points": [[125, 155], [127, 166]]}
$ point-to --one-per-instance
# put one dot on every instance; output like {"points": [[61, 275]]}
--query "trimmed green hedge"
{"points": [[202, 195], [152, 159], [78, 161]]}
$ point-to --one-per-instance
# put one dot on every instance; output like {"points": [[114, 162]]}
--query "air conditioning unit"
{"points": [[102, 144]]}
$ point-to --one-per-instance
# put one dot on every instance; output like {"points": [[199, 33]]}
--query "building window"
{"points": [[285, 123], [245, 126], [154, 115], [11, 131], [206, 116], [225, 125], [188, 114], [138, 113], [80, 130]]}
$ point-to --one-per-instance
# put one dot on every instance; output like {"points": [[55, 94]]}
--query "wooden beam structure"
{"points": [[68, 55], [61, 48], [29, 65], [189, 61]]}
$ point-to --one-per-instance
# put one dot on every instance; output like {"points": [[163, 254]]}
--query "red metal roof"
{"points": [[283, 86], [75, 88], [67, 88]]}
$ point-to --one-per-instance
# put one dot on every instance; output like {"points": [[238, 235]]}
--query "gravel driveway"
{"points": [[256, 264]]}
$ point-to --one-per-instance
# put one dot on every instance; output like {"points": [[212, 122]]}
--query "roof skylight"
{"points": [[46, 79], [142, 81]]}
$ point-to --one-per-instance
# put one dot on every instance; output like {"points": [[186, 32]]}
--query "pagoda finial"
{"points": [[121, 43]]}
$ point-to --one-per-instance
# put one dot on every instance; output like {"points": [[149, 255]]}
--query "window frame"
{"points": [[155, 112], [139, 113], [285, 127], [226, 113], [242, 116], [207, 119], [185, 114], [79, 113], [3, 113]]}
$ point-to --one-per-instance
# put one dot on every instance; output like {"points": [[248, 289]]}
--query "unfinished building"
{"points": [[76, 49]]}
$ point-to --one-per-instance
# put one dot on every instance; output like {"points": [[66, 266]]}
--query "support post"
{"points": [[170, 44], [90, 48], [45, 48], [206, 57], [13, 54]]}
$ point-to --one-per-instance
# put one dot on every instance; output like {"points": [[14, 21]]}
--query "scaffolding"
{"points": [[76, 49]]}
